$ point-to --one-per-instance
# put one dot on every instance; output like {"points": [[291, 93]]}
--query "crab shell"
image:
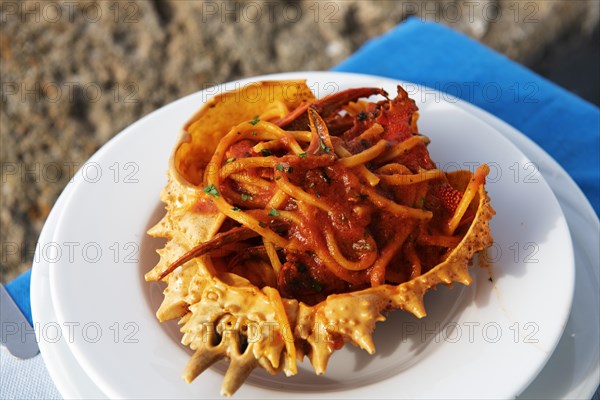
{"points": [[224, 315]]}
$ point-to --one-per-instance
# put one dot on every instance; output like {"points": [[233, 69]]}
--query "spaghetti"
{"points": [[341, 197]]}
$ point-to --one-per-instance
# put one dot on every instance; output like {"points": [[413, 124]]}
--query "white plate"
{"points": [[573, 371], [71, 381], [93, 284], [115, 308]]}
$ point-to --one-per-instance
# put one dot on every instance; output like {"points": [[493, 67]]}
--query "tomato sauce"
{"points": [[359, 227]]}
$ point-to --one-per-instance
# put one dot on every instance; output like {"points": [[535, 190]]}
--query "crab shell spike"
{"points": [[236, 374], [200, 361], [203, 299], [221, 313], [242, 361]]}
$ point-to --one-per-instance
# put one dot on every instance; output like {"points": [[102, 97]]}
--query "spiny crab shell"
{"points": [[223, 315]]}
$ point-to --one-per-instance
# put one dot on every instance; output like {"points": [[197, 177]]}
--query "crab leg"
{"points": [[333, 102], [298, 119], [220, 239], [231, 236], [320, 134], [291, 117]]}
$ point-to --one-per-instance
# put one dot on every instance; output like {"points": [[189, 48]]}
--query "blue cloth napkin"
{"points": [[435, 56], [19, 291]]}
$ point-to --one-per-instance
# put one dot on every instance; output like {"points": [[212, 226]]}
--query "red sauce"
{"points": [[358, 224], [204, 206], [240, 149]]}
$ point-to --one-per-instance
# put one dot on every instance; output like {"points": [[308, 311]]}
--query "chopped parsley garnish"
{"points": [[317, 286], [325, 148], [266, 152], [278, 177], [236, 209], [255, 120], [262, 224], [274, 213], [254, 133], [245, 197], [302, 155], [230, 160], [289, 170], [212, 190], [279, 167]]}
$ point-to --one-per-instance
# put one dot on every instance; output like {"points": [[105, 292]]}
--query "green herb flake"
{"points": [[236, 209], [255, 120], [278, 177], [244, 197], [274, 213], [289, 170], [212, 190], [302, 155], [266, 152], [325, 148], [279, 167], [262, 224], [317, 286], [254, 133], [230, 160]]}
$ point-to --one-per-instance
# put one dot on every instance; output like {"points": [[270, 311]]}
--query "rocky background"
{"points": [[75, 73]]}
